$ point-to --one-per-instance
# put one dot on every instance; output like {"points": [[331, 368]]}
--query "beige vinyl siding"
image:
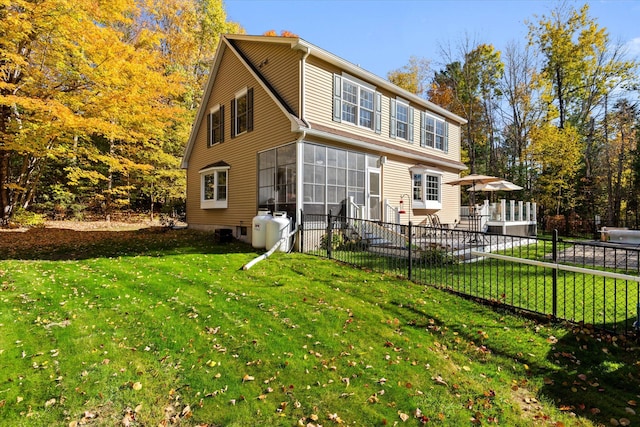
{"points": [[450, 212], [271, 128], [319, 109], [280, 65], [397, 182]]}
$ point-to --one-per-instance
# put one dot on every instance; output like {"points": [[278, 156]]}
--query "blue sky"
{"points": [[381, 35]]}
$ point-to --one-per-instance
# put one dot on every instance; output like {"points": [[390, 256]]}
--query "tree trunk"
{"points": [[5, 200]]}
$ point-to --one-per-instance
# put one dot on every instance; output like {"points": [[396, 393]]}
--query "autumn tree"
{"points": [[413, 77], [283, 33], [188, 32], [469, 85], [622, 136], [521, 112], [96, 98], [555, 154], [580, 70], [47, 72]]}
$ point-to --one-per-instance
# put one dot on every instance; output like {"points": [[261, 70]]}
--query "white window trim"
{"points": [[377, 100], [242, 92], [213, 204], [436, 119], [401, 102], [427, 204]]}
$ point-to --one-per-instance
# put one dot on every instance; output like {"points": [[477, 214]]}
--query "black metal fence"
{"points": [[589, 282]]}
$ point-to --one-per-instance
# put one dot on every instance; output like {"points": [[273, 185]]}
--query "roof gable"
{"points": [[226, 46]]}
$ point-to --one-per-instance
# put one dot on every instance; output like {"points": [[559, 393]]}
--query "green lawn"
{"points": [[607, 303], [159, 328]]}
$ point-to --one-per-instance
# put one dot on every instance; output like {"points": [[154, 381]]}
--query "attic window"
{"points": [[242, 112], [215, 125]]}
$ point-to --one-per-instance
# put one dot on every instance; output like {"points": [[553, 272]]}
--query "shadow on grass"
{"points": [[64, 244], [591, 374], [598, 376]]}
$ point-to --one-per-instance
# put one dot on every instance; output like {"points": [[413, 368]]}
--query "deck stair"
{"points": [[377, 235]]}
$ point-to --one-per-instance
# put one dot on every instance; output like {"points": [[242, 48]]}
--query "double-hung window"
{"points": [[426, 188], [356, 102], [402, 120], [401, 123], [433, 132], [214, 186], [242, 112], [215, 125]]}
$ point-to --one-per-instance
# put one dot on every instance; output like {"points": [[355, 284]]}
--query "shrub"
{"points": [[437, 256], [25, 218], [337, 240]]}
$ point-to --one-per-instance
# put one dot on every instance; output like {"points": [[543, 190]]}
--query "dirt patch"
{"points": [[530, 406], [102, 225], [72, 235]]}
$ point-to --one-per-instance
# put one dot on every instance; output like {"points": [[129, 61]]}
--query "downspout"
{"points": [[270, 251], [303, 60]]}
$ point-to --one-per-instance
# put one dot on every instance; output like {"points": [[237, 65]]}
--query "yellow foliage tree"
{"points": [[555, 153], [100, 89]]}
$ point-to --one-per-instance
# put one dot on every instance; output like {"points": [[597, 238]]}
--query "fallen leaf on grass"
{"points": [[404, 417], [438, 379], [335, 418]]}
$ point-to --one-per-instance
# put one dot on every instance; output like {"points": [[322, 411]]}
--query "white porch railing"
{"points": [[505, 211], [391, 213], [511, 211], [354, 210]]}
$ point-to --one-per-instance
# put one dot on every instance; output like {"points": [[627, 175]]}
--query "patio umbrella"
{"points": [[473, 180], [502, 185]]}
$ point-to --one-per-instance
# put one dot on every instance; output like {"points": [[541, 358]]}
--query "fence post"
{"points": [[410, 272], [301, 231], [554, 273], [329, 236]]}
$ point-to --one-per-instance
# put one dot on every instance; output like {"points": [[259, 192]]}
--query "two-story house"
{"points": [[288, 126]]}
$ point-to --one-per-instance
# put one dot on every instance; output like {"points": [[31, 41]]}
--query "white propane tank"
{"points": [[259, 229], [277, 228]]}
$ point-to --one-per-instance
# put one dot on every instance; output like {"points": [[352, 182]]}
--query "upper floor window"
{"points": [[433, 132], [402, 120], [215, 125], [242, 112], [401, 124], [213, 186], [356, 102]]}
